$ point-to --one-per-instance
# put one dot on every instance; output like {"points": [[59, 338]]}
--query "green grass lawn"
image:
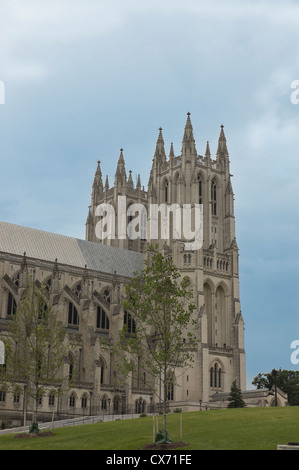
{"points": [[227, 429]]}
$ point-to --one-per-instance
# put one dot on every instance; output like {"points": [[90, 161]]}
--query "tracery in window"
{"points": [[129, 322], [73, 316], [11, 305], [102, 319]]}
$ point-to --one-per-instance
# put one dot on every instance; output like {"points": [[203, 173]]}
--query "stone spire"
{"points": [[208, 154], [107, 183], [171, 155], [120, 174], [188, 144], [222, 157], [222, 147], [130, 180], [97, 186], [138, 186], [160, 155]]}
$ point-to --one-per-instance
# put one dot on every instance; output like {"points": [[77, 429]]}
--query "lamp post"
{"points": [[274, 374]]}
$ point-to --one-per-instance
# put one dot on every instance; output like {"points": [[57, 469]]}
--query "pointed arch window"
{"points": [[84, 401], [72, 400], [170, 387], [11, 305], [71, 367], [52, 398], [166, 195], [73, 316], [104, 402], [2, 395], [102, 371], [214, 197], [216, 376], [199, 190], [102, 319], [129, 323]]}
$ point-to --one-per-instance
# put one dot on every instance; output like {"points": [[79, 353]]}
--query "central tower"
{"points": [[190, 178]]}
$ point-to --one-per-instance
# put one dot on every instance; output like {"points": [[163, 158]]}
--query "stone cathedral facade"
{"points": [[85, 281]]}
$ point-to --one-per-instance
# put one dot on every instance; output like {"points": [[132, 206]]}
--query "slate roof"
{"points": [[46, 246]]}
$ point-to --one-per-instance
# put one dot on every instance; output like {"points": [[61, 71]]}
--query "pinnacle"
{"points": [[188, 139], [222, 148], [171, 152], [130, 180], [121, 156], [208, 152], [160, 154]]}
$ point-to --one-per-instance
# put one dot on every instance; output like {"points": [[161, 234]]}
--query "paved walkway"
{"points": [[71, 422]]}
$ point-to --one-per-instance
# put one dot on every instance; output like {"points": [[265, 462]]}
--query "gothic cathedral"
{"points": [[86, 279]]}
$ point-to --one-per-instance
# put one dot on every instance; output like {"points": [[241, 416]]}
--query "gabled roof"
{"points": [[46, 246]]}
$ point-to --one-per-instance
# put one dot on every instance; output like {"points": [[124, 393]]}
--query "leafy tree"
{"points": [[286, 380], [35, 347], [235, 398], [160, 336]]}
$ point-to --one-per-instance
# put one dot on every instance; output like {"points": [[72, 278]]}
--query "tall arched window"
{"points": [[214, 197], [73, 316], [170, 387], [216, 376], [166, 195], [71, 367], [72, 400], [102, 319], [129, 322], [104, 402], [199, 190], [102, 371], [84, 400], [11, 305]]}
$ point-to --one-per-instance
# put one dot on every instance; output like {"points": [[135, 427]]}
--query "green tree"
{"points": [[286, 380], [235, 398], [160, 336], [35, 346]]}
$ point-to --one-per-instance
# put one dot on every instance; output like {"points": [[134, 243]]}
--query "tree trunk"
{"points": [[165, 402]]}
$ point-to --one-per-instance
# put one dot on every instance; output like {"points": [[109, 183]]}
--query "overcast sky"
{"points": [[84, 78]]}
